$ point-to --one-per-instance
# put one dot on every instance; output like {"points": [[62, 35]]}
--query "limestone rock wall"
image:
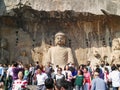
{"points": [[90, 36], [92, 6], [14, 49], [2, 8]]}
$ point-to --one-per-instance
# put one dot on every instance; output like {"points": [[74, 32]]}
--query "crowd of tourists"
{"points": [[101, 77]]}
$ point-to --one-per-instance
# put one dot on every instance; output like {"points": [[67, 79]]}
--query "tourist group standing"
{"points": [[18, 76]]}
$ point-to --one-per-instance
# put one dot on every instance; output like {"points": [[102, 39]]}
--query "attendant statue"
{"points": [[4, 54], [60, 54], [37, 54], [116, 44], [116, 51], [94, 58]]}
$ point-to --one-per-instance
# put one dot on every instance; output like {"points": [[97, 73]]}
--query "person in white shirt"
{"points": [[41, 77], [56, 68], [108, 66], [9, 71], [114, 77], [59, 75], [68, 76]]}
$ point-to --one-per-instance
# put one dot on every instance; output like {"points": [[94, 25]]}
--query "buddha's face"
{"points": [[60, 40]]}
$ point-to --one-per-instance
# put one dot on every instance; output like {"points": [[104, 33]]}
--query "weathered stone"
{"points": [[60, 54], [85, 32], [4, 53], [23, 57], [116, 51], [2, 7], [92, 6]]}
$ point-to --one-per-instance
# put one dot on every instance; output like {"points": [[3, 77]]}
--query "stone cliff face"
{"points": [[89, 35], [92, 6]]}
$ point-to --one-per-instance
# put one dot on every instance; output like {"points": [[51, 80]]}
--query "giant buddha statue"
{"points": [[60, 54]]}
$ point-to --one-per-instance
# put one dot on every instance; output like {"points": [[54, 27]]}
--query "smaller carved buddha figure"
{"points": [[23, 57]]}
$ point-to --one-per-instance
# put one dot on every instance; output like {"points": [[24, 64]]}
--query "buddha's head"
{"points": [[60, 38]]}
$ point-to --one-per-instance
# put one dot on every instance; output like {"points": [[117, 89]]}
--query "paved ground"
{"points": [[32, 87]]}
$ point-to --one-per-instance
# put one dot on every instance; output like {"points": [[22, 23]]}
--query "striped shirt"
{"points": [[19, 84]]}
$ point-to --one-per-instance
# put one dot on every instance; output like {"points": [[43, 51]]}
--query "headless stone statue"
{"points": [[59, 54]]}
